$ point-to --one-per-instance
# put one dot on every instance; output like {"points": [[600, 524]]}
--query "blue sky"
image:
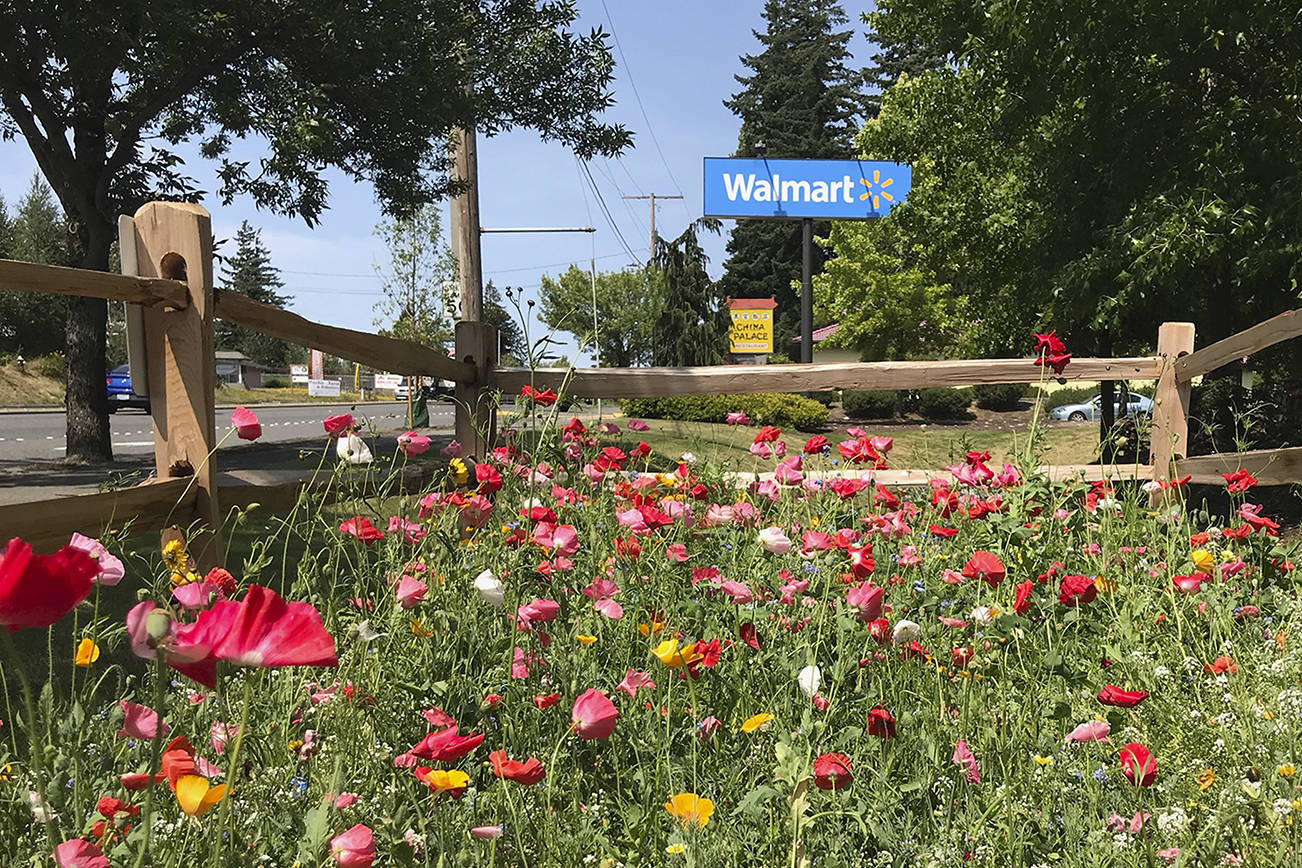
{"points": [[679, 55]]}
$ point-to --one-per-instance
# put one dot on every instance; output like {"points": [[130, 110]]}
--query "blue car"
{"points": [[118, 383]]}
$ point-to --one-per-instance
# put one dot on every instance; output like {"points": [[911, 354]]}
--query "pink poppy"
{"points": [[638, 425], [262, 630], [337, 426], [80, 853], [247, 426], [1188, 584], [111, 570], [634, 680], [774, 540], [219, 734], [452, 450], [191, 658], [38, 590], [593, 715], [609, 608], [345, 800], [963, 757], [866, 600], [486, 833], [676, 552], [736, 417], [354, 848], [139, 721], [1090, 730], [410, 591], [446, 745], [196, 595], [739, 593], [361, 528], [411, 443]]}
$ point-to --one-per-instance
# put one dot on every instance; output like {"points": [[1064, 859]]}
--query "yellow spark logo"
{"points": [[879, 192]]}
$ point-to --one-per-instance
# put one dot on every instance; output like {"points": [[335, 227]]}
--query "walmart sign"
{"points": [[792, 189]]}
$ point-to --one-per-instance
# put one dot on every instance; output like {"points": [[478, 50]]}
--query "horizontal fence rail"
{"points": [[750, 379], [31, 277], [1251, 340], [378, 351], [47, 524]]}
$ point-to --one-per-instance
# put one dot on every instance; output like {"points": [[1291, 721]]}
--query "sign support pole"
{"points": [[807, 291]]}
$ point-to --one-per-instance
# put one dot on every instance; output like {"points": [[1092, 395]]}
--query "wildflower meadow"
{"points": [[575, 651]]}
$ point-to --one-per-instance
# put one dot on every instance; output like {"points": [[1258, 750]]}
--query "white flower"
{"points": [[774, 540], [983, 616], [490, 589], [687, 458], [1151, 486], [810, 679], [905, 631], [366, 633], [353, 449], [530, 503]]}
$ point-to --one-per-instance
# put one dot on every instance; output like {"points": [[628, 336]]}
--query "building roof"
{"points": [[752, 303], [820, 334]]}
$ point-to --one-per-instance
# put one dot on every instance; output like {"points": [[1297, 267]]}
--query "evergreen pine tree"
{"points": [[33, 323], [799, 100], [893, 60], [250, 272], [693, 326]]}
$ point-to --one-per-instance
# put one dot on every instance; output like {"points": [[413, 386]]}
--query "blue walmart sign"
{"points": [[792, 189]]}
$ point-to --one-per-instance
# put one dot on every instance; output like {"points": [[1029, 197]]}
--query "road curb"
{"points": [[13, 411]]}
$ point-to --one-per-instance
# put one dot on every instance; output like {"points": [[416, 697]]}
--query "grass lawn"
{"points": [[916, 446]]}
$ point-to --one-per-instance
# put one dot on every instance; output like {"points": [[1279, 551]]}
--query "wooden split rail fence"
{"points": [[170, 245]]}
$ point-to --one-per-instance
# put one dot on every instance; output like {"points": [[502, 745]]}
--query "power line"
{"points": [[605, 210], [513, 270], [638, 97]]}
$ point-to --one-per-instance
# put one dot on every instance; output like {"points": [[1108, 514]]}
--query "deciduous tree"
{"points": [[113, 96], [629, 307]]}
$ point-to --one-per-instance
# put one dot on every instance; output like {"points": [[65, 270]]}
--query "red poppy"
{"points": [[247, 426], [815, 445], [1077, 590], [546, 700], [1221, 665], [362, 529], [942, 532], [962, 656], [446, 746], [529, 772], [262, 630], [880, 723], [832, 771], [338, 425], [767, 434], [593, 715], [38, 590], [985, 566], [885, 497], [1023, 601], [1239, 481], [861, 561], [1137, 761], [488, 478], [1050, 342], [749, 635], [1057, 361], [1110, 694]]}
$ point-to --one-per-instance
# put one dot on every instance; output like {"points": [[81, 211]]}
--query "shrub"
{"points": [[868, 405], [944, 403], [54, 366], [999, 396], [274, 383], [827, 398], [774, 408]]}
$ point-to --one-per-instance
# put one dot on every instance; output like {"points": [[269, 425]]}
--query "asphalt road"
{"points": [[40, 436]]}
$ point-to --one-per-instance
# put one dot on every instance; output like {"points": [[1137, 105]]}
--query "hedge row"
{"points": [[783, 410]]}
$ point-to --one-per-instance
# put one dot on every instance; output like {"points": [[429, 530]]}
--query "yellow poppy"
{"points": [[184, 577], [87, 653], [653, 627], [418, 629], [690, 808], [1203, 561], [756, 721], [459, 472], [669, 653], [675, 849], [440, 779], [1205, 779], [195, 795], [585, 640], [1105, 586]]}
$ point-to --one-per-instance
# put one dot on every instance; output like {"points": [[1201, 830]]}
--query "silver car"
{"points": [[1137, 406]]}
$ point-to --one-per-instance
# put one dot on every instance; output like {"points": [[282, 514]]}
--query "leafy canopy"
{"points": [[629, 307]]}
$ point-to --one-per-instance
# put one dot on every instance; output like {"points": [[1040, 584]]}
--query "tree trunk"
{"points": [[86, 329]]}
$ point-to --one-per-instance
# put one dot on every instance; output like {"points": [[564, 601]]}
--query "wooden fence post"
{"points": [[476, 412], [174, 240], [1169, 436]]}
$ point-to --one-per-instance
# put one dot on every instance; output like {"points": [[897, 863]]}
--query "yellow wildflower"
{"points": [[675, 849], [756, 721], [87, 653], [585, 640], [195, 795], [293, 746], [1043, 761], [1203, 561], [675, 657], [1205, 779], [1287, 770], [1105, 586], [653, 627], [438, 779], [690, 808], [418, 629], [459, 471], [4, 772], [174, 554]]}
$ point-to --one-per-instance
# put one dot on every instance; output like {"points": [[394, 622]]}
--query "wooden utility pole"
{"points": [[465, 227], [651, 246]]}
